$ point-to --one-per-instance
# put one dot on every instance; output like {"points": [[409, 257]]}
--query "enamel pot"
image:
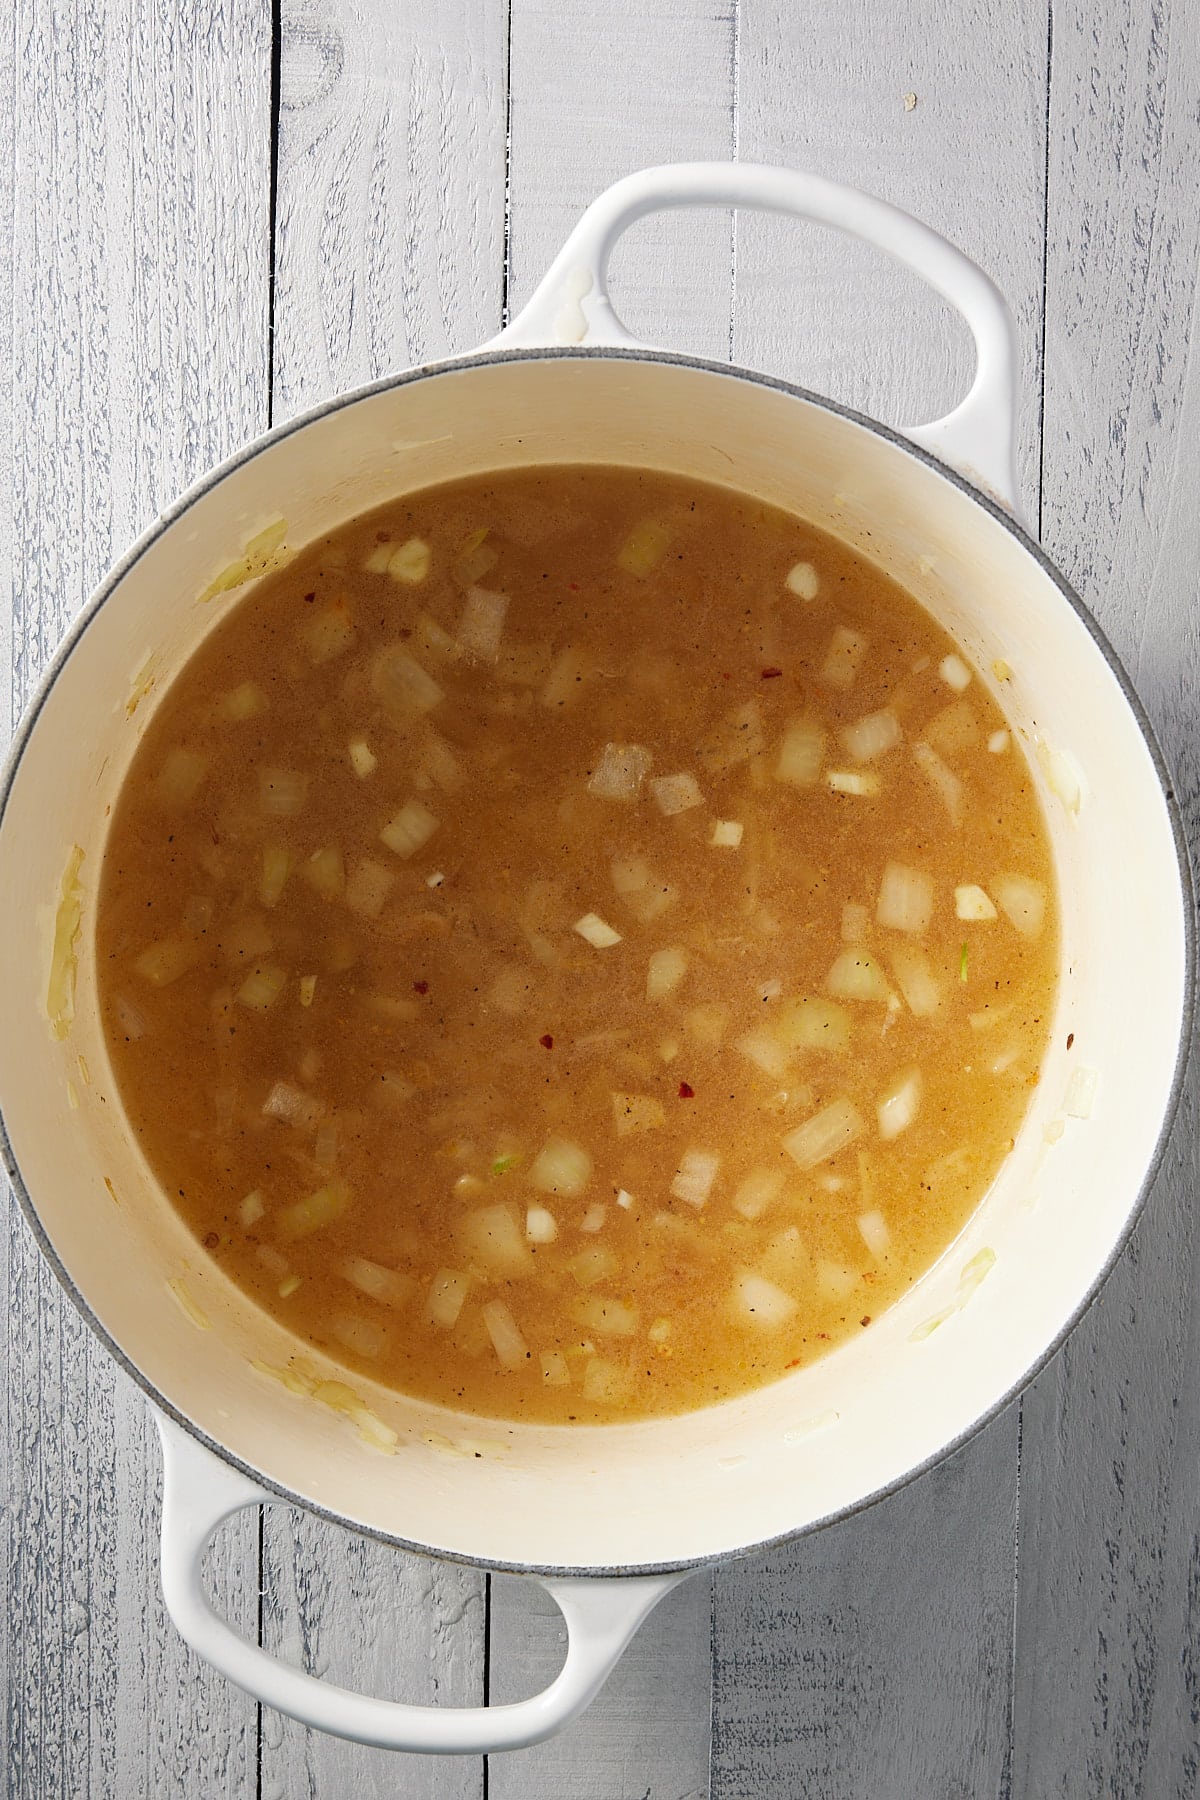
{"points": [[608, 1518]]}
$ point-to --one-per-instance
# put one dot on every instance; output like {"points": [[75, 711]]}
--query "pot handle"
{"points": [[199, 1491], [571, 304]]}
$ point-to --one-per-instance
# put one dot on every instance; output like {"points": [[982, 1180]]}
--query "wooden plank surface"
{"points": [[137, 258]]}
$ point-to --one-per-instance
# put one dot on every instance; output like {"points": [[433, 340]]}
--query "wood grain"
{"points": [[1108, 1684], [138, 146]]}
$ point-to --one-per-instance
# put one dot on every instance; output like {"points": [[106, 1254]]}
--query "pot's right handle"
{"points": [[571, 304]]}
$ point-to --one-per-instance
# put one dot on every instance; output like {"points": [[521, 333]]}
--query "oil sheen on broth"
{"points": [[577, 944]]}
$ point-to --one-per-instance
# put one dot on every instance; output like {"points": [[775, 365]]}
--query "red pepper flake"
{"points": [[547, 1042], [770, 674], [686, 1091], [574, 586], [422, 987], [794, 1364], [725, 675]]}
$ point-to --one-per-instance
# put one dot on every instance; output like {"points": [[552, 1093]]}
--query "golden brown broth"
{"points": [[453, 1036]]}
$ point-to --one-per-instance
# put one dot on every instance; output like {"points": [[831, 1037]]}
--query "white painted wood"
{"points": [[138, 143], [1108, 1693]]}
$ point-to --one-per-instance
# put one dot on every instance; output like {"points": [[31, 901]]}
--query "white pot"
{"points": [[636, 1504]]}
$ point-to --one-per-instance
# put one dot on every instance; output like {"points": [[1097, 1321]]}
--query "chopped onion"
{"points": [[803, 581], [410, 829], [288, 1286], [738, 738], [447, 1292], [607, 1318], [566, 677], [401, 684], [835, 1280], [394, 1088], [561, 1167], [811, 1024], [541, 1226], [770, 990], [555, 1372], [955, 673], [1081, 1093], [198, 913], [293, 1106], [843, 658], [251, 1209], [438, 764], [759, 1301], [325, 873], [726, 834], [695, 1176], [482, 623], [491, 1237], [855, 919], [857, 976], [707, 1025], [619, 772], [368, 888], [664, 972], [916, 980], [181, 777], [1053, 1130], [872, 736], [899, 1106], [282, 792], [243, 702], [276, 867], [130, 1017], [972, 904], [954, 730], [624, 1199], [507, 1341], [630, 875], [433, 643], [162, 963], [509, 992], [652, 902], [756, 1191], [669, 1048], [593, 929], [825, 1135], [262, 987], [644, 548], [863, 782], [676, 793], [305, 1216], [873, 1229], [596, 1263], [475, 558], [1022, 901], [605, 1381], [998, 743], [800, 753], [1063, 775], [944, 781], [765, 1051], [408, 563], [328, 632], [633, 1113], [362, 759], [389, 1286], [905, 899]]}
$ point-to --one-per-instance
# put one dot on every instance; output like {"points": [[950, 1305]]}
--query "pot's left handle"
{"points": [[199, 1491]]}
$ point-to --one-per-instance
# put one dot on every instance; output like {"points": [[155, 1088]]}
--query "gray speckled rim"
{"points": [[464, 366]]}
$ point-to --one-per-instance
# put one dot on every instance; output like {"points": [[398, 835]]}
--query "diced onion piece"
{"points": [[363, 760], [786, 1258], [593, 1219], [506, 1338], [482, 623], [972, 904], [293, 1106], [403, 686], [288, 1286], [593, 929], [181, 777], [475, 558], [276, 867], [759, 1301], [262, 987], [726, 834], [607, 1318], [873, 1230], [652, 902], [605, 1381], [664, 972], [329, 632], [162, 963], [954, 730], [803, 581], [998, 743], [770, 990], [447, 1293], [695, 1176], [198, 912], [633, 1113], [389, 1286], [1081, 1093], [857, 976], [955, 673], [676, 793], [362, 1337], [1063, 774], [325, 873], [835, 1280], [943, 780], [800, 753], [844, 657], [510, 991], [707, 1025], [619, 772], [130, 1017], [432, 643], [624, 1199], [899, 1106], [811, 1024], [765, 1051], [872, 736], [596, 1263], [756, 1191], [64, 959], [738, 738], [630, 875], [825, 1135], [905, 899], [308, 988], [282, 792], [368, 888], [1022, 901], [561, 1167], [1053, 1130], [440, 765], [566, 677], [644, 548], [555, 1372], [243, 702], [855, 919], [916, 980], [410, 829], [315, 1211], [408, 562], [491, 1237], [540, 1225], [863, 782], [251, 1209]]}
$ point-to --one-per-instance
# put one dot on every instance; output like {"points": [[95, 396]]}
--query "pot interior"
{"points": [[775, 1461]]}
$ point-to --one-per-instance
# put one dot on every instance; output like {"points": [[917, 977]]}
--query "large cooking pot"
{"points": [[608, 1517]]}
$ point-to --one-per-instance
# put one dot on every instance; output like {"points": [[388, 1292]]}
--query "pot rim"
{"points": [[464, 364]]}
